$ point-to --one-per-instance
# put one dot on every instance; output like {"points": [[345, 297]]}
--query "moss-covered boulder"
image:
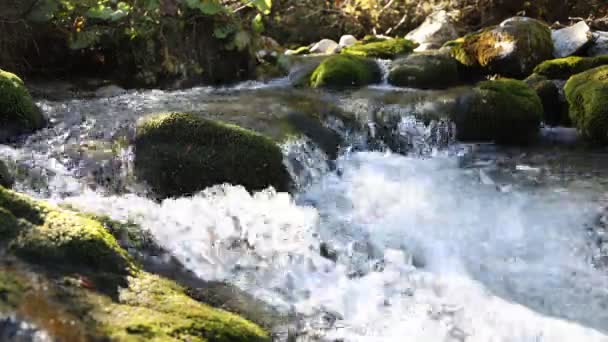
{"points": [[505, 111], [587, 95], [343, 71], [6, 178], [381, 48], [563, 68], [178, 154], [427, 70], [511, 49], [68, 268], [18, 113]]}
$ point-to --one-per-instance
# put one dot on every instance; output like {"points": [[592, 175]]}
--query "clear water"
{"points": [[437, 246]]}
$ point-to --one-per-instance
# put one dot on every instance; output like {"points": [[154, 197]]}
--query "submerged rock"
{"points": [[505, 111], [437, 29], [570, 40], [78, 281], [427, 70], [343, 71], [178, 154], [587, 95], [381, 48], [511, 49], [18, 113], [563, 68]]}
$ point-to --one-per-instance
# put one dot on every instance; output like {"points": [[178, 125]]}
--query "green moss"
{"points": [[18, 113], [155, 309], [563, 68], [302, 50], [47, 235], [512, 49], [73, 251], [428, 70], [387, 49], [12, 289], [587, 95], [343, 71], [178, 154], [505, 111], [370, 38], [6, 179]]}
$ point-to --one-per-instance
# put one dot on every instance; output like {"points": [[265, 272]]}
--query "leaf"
{"points": [[242, 39], [44, 11], [107, 13], [208, 7], [221, 32], [84, 39], [257, 23], [263, 6]]}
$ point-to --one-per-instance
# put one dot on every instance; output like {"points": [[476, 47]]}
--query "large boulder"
{"points": [[178, 154], [587, 95], [344, 71], [347, 40], [381, 48], [563, 68], [18, 113], [427, 70], [505, 111], [90, 288], [512, 48], [437, 29], [570, 40]]}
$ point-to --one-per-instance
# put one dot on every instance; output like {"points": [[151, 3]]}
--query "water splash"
{"points": [[423, 250]]}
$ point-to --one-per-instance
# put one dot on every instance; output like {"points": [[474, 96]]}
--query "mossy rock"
{"points": [[386, 49], [587, 95], [563, 68], [6, 178], [72, 257], [302, 50], [344, 71], [555, 108], [427, 70], [179, 154], [511, 49], [18, 113], [505, 111]]}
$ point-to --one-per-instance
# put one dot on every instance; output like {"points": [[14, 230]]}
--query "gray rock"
{"points": [[570, 40], [347, 40], [438, 28], [110, 91], [600, 44], [325, 46]]}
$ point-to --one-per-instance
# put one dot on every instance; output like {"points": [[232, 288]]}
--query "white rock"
{"points": [[325, 46], [436, 29], [600, 44], [569, 40], [347, 40], [109, 91]]}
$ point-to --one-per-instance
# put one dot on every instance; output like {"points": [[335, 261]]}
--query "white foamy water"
{"points": [[426, 252]]}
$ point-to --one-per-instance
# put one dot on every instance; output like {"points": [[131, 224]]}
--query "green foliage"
{"points": [[563, 68], [587, 95], [344, 71], [388, 49], [506, 111], [18, 113], [178, 154]]}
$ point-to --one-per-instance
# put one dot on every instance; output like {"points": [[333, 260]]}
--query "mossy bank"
{"points": [[18, 113], [90, 281]]}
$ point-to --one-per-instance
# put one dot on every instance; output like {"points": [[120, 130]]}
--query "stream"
{"points": [[402, 235]]}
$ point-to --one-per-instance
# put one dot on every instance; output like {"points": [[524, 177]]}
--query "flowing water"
{"points": [[440, 242]]}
